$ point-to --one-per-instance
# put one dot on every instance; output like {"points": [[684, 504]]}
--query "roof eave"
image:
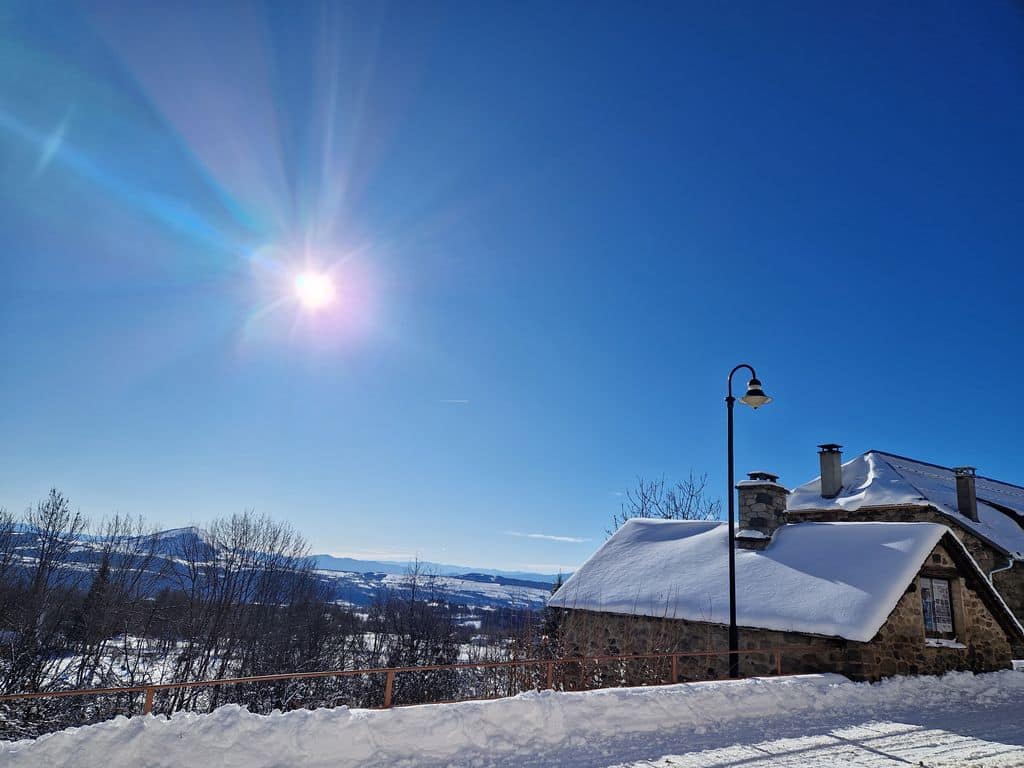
{"points": [[925, 504]]}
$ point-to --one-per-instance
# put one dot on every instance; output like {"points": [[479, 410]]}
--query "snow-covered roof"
{"points": [[876, 479], [836, 579]]}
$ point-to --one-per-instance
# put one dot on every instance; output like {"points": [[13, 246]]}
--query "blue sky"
{"points": [[554, 228]]}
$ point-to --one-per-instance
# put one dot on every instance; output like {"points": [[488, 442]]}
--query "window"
{"points": [[938, 609]]}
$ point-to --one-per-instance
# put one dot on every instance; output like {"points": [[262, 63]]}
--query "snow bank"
{"points": [[478, 733]]}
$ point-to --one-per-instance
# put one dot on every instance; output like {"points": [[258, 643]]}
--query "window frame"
{"points": [[932, 586]]}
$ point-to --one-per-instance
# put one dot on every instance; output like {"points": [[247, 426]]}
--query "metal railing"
{"points": [[389, 673]]}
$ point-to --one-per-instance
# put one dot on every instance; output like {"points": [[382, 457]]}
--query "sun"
{"points": [[314, 290]]}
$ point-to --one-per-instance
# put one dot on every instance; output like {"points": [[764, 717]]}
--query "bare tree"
{"points": [[48, 589], [119, 604], [415, 627], [686, 500], [236, 582], [7, 560], [115, 601]]}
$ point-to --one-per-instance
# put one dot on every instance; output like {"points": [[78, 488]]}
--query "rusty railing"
{"points": [[389, 672]]}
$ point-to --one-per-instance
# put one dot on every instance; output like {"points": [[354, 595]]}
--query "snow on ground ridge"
{"points": [[539, 728]]}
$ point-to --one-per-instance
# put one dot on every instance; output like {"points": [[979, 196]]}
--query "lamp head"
{"points": [[755, 396]]}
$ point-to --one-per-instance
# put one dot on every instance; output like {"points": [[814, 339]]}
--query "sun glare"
{"points": [[314, 290]]}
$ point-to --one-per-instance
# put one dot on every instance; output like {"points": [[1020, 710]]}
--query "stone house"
{"points": [[864, 599], [986, 515]]}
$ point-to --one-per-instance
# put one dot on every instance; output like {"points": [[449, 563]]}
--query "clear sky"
{"points": [[553, 228]]}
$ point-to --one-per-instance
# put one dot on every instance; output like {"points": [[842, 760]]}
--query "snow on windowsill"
{"points": [[938, 642]]}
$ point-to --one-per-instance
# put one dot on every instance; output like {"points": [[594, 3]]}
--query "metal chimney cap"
{"points": [[766, 476], [830, 447], [964, 471]]}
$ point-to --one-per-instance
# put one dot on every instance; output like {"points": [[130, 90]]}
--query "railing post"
{"points": [[675, 669], [147, 705], [778, 661], [389, 686], [551, 675]]}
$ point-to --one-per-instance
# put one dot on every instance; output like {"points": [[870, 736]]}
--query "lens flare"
{"points": [[315, 290]]}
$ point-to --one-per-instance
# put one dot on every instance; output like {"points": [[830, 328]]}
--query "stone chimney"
{"points": [[966, 497], [762, 509], [831, 458]]}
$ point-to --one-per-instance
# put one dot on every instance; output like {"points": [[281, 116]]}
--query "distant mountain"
{"points": [[353, 582], [332, 563], [175, 541], [480, 591], [505, 581]]}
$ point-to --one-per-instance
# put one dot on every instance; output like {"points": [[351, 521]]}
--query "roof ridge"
{"points": [[937, 466], [907, 480], [953, 512], [1011, 513], [908, 458]]}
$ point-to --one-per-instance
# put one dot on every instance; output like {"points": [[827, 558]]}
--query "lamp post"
{"points": [[755, 398]]}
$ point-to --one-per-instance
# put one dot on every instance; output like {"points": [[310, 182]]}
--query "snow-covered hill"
{"points": [[472, 589], [353, 582], [334, 563]]}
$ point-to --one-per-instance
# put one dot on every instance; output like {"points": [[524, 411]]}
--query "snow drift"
{"points": [[485, 731]]}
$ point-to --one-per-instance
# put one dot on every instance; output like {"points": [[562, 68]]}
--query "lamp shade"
{"points": [[755, 396]]}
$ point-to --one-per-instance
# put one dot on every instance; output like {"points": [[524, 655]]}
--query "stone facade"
{"points": [[899, 647], [1009, 583]]}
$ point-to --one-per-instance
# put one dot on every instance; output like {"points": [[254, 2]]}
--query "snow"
{"points": [[596, 728], [360, 589], [938, 642], [881, 479], [873, 744], [510, 594], [752, 483], [837, 579], [750, 533]]}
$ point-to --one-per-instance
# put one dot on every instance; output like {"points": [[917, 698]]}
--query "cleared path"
{"points": [[879, 744]]}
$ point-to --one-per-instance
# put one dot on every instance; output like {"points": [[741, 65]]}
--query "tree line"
{"points": [[115, 604]]}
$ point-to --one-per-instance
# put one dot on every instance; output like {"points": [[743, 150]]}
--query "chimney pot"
{"points": [[966, 494], [831, 459]]}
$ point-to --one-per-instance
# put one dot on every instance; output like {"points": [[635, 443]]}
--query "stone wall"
{"points": [[899, 648], [1009, 584], [587, 633], [762, 504]]}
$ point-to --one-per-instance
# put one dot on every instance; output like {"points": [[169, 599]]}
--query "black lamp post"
{"points": [[755, 398]]}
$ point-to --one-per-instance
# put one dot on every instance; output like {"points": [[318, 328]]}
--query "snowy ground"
{"points": [[815, 720], [991, 737]]}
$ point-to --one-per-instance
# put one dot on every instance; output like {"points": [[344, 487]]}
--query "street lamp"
{"points": [[755, 398]]}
